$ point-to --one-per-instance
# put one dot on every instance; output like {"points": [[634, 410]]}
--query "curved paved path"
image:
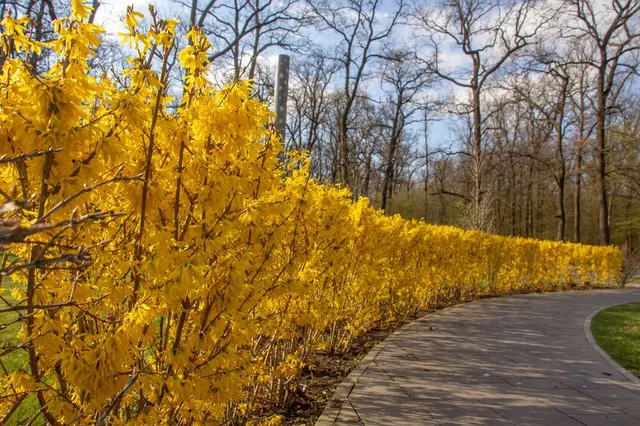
{"points": [[523, 360]]}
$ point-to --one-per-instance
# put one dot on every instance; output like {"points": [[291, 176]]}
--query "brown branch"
{"points": [[4, 159], [148, 161], [67, 200], [13, 408], [11, 232], [117, 400]]}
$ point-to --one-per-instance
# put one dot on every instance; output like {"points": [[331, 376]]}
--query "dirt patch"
{"points": [[325, 372]]}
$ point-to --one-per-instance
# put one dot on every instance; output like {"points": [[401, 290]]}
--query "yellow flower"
{"points": [[207, 275]]}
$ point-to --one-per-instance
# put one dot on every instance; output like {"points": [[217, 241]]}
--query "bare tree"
{"points": [[487, 33], [310, 100], [360, 28], [614, 33], [549, 96], [581, 102], [428, 107], [403, 80], [242, 30], [562, 81]]}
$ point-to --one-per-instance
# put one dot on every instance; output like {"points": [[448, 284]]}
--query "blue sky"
{"points": [[111, 12]]}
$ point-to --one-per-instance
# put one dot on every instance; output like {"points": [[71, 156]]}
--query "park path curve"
{"points": [[518, 360]]}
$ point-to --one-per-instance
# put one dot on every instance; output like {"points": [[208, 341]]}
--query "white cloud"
{"points": [[112, 12]]}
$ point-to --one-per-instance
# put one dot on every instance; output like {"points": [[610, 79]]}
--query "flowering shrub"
{"points": [[161, 267]]}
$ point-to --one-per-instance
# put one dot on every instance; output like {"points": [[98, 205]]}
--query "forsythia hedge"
{"points": [[180, 276]]}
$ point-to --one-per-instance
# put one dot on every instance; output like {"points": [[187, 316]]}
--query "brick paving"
{"points": [[520, 360]]}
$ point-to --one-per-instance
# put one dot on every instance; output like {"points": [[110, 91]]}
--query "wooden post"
{"points": [[281, 93]]}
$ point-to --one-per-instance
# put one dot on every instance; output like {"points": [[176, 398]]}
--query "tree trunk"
{"points": [[601, 184], [426, 176], [612, 199], [255, 48], [528, 220], [539, 225], [367, 174], [512, 196], [628, 217], [391, 155], [576, 205], [560, 165], [344, 150], [581, 141], [476, 152]]}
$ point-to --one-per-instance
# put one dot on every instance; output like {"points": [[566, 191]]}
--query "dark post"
{"points": [[281, 93]]}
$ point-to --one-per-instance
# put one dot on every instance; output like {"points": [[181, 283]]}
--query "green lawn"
{"points": [[15, 360], [617, 331]]}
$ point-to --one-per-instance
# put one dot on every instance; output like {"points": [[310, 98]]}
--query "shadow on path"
{"points": [[522, 360]]}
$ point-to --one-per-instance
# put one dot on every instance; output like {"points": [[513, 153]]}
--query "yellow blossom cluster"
{"points": [[182, 277]]}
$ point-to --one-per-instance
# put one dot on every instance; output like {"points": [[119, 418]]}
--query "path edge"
{"points": [[330, 414], [592, 341]]}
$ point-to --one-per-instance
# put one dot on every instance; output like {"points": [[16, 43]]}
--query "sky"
{"points": [[442, 132], [111, 12]]}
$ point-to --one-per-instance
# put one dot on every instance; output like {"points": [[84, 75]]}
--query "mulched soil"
{"points": [[320, 382]]}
